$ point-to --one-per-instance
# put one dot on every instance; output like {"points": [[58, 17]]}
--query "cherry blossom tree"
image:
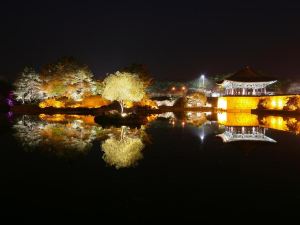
{"points": [[28, 86]]}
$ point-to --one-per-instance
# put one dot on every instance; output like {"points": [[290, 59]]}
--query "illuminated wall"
{"points": [[246, 103], [238, 103]]}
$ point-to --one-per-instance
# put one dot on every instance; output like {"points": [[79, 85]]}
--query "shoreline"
{"points": [[34, 110]]}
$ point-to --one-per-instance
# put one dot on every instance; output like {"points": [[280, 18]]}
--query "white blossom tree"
{"points": [[28, 86], [123, 86]]}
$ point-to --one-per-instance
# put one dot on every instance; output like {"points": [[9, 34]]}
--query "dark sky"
{"points": [[176, 40]]}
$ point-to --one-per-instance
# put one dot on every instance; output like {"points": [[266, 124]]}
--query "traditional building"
{"points": [[246, 82]]}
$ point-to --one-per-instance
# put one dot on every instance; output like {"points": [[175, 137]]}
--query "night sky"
{"points": [[177, 41]]}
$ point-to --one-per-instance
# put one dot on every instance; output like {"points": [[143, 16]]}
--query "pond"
{"points": [[188, 167]]}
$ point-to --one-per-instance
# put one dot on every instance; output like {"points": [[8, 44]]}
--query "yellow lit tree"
{"points": [[123, 86]]}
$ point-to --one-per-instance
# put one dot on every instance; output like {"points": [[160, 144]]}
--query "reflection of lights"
{"points": [[183, 123], [222, 117], [208, 105], [202, 137], [222, 103], [189, 113], [123, 114], [280, 103], [173, 122], [215, 94], [207, 113]]}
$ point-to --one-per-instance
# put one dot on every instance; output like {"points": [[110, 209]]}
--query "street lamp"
{"points": [[203, 78]]}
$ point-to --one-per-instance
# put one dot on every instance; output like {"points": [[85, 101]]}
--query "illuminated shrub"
{"points": [[52, 103], [274, 102], [94, 102], [196, 100], [293, 103]]}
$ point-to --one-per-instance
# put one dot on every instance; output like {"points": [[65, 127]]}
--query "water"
{"points": [[66, 168]]}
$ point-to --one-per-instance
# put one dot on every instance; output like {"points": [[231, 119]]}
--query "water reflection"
{"points": [[60, 134], [124, 148], [246, 126], [251, 133], [69, 135], [290, 124], [242, 127]]}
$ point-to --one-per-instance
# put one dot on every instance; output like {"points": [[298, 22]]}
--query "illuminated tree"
{"points": [[68, 78], [28, 86], [196, 100], [123, 86]]}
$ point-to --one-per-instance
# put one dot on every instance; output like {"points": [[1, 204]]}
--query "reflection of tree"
{"points": [[293, 125], [61, 134], [123, 149], [196, 118]]}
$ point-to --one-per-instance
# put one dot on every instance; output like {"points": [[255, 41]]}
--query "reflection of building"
{"points": [[242, 127], [246, 82], [252, 133]]}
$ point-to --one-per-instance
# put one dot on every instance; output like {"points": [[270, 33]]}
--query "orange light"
{"points": [[183, 123], [183, 88], [173, 88]]}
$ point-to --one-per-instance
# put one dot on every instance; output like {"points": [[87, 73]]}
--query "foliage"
{"points": [[28, 86], [68, 78], [123, 150], [293, 103], [94, 101], [62, 135], [123, 86], [196, 100], [51, 102], [122, 153]]}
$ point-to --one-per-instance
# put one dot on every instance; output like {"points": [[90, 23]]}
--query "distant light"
{"points": [[183, 88], [215, 94], [202, 76], [173, 88], [183, 123], [202, 137]]}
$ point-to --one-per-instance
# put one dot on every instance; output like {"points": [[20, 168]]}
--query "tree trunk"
{"points": [[122, 106]]}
